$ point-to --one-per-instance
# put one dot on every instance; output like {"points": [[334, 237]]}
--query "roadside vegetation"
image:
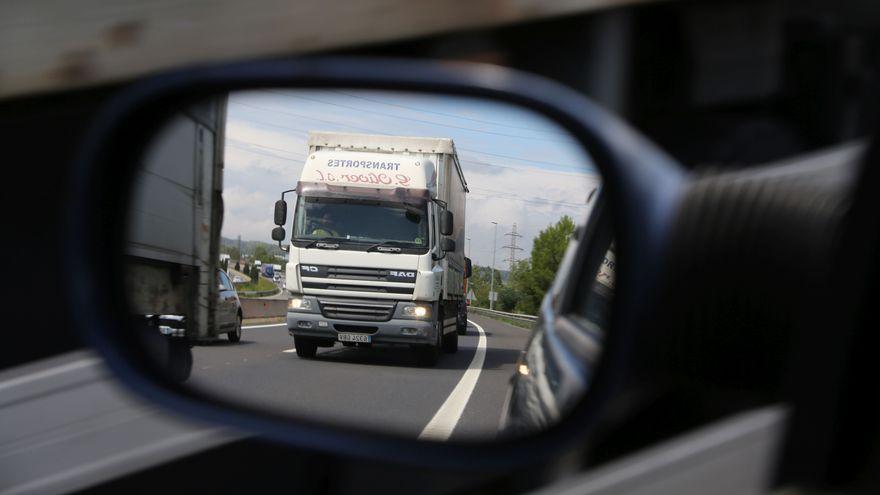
{"points": [[263, 284], [522, 290]]}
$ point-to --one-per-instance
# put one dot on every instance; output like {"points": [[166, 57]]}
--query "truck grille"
{"points": [[356, 309], [358, 288], [358, 273]]}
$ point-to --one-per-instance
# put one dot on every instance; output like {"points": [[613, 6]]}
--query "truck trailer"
{"points": [[377, 248], [173, 239]]}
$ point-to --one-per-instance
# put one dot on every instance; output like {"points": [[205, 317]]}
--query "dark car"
{"points": [[556, 367], [228, 313]]}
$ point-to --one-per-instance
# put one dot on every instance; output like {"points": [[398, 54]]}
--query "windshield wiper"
{"points": [[326, 243], [389, 246]]}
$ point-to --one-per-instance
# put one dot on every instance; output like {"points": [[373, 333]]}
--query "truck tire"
{"points": [[461, 326], [450, 343], [235, 335], [305, 348], [461, 321], [180, 361]]}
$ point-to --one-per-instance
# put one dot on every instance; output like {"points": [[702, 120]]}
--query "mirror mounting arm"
{"points": [[281, 238]]}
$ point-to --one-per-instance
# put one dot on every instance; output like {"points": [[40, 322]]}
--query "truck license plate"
{"points": [[353, 337]]}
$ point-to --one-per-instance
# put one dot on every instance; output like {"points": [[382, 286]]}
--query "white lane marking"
{"points": [[265, 326], [446, 418], [57, 370], [290, 350]]}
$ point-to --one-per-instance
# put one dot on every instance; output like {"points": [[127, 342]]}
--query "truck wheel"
{"points": [[180, 361], [305, 348], [450, 343], [461, 326], [235, 335]]}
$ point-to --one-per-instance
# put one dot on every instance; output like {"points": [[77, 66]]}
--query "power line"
{"points": [[371, 131], [258, 152], [514, 157], [452, 115], [471, 160], [422, 121], [540, 201], [499, 194], [293, 114], [522, 169], [245, 143]]}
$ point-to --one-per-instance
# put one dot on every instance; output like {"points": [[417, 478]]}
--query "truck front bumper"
{"points": [[394, 331]]}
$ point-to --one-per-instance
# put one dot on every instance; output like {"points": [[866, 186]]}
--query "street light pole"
{"points": [[492, 282]]}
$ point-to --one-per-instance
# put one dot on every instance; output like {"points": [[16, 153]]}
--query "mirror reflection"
{"points": [[383, 260]]}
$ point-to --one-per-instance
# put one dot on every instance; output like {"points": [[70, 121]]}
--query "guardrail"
{"points": [[513, 316], [258, 293]]}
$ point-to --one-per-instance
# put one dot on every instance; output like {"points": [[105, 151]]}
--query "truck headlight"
{"points": [[416, 311], [299, 304]]}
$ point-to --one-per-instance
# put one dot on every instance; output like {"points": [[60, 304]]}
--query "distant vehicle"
{"points": [[258, 263], [237, 279], [379, 238], [268, 271], [277, 278]]}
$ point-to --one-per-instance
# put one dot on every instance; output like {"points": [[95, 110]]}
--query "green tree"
{"points": [[261, 253], [480, 283], [534, 277], [255, 275], [247, 270], [237, 265], [234, 253]]}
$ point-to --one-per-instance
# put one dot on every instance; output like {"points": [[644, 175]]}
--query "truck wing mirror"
{"points": [[447, 244], [278, 234], [468, 268], [280, 215], [446, 222]]}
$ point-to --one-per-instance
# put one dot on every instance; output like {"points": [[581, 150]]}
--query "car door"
{"points": [[226, 302]]}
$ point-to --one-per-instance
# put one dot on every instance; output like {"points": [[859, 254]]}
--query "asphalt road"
{"points": [[376, 388]]}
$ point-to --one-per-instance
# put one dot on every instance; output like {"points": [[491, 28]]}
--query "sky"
{"points": [[520, 167]]}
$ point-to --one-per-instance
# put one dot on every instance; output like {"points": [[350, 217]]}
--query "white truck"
{"points": [[376, 252]]}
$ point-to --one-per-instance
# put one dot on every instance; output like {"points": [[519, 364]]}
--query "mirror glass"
{"points": [[351, 312]]}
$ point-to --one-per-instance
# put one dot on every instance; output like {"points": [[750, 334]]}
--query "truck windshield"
{"points": [[361, 221]]}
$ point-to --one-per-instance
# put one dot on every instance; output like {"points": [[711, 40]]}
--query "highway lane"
{"points": [[376, 388]]}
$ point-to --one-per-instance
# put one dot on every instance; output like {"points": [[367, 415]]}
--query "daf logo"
{"points": [[402, 274], [307, 268]]}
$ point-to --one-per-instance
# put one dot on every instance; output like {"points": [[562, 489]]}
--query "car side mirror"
{"points": [[447, 244], [278, 233], [446, 222], [280, 214]]}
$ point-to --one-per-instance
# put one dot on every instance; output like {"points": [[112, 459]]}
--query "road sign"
{"points": [[493, 296], [471, 297]]}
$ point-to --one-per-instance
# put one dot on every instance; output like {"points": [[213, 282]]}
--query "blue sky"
{"points": [[520, 167]]}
